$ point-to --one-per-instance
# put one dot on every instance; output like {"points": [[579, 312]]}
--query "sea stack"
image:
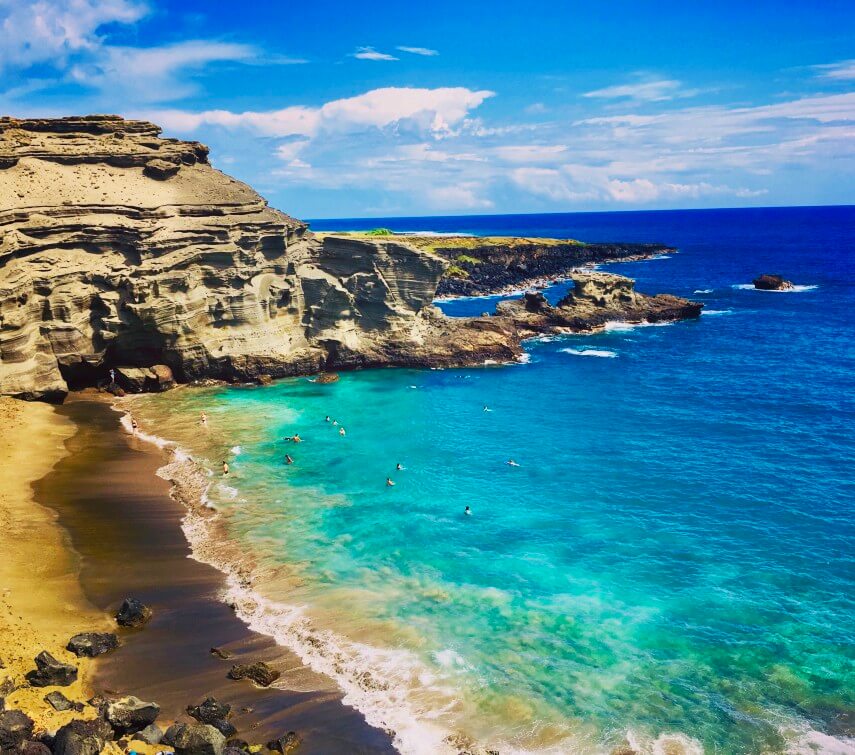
{"points": [[768, 282]]}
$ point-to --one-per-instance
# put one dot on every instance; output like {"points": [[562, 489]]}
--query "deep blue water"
{"points": [[673, 561]]}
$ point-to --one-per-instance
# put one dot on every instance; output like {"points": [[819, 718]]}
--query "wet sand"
{"points": [[126, 530]]}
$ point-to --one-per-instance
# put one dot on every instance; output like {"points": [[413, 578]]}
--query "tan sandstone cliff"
{"points": [[119, 247]]}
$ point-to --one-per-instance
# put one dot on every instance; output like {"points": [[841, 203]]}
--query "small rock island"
{"points": [[768, 282]]}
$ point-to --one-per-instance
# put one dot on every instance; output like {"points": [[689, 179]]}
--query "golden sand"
{"points": [[41, 601]]}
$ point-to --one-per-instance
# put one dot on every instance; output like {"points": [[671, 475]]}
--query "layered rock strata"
{"points": [[119, 248]]}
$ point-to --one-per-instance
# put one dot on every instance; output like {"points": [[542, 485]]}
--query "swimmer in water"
{"points": [[389, 482], [134, 425], [399, 467], [225, 469], [341, 432], [288, 459], [487, 408], [511, 463], [467, 511], [335, 422], [327, 418]]}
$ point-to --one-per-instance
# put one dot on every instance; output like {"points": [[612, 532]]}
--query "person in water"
{"points": [[327, 418], [335, 422], [511, 463], [487, 408], [398, 467], [389, 482], [225, 469], [467, 511], [295, 438], [288, 459], [134, 425], [203, 418], [341, 432]]}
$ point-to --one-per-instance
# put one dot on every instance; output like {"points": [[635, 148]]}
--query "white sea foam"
{"points": [[147, 437], [703, 291], [675, 743], [236, 450], [605, 353], [622, 327], [713, 312], [793, 290]]}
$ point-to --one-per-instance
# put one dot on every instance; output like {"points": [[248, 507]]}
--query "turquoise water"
{"points": [[672, 561]]}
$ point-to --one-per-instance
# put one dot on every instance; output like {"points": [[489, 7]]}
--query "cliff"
{"points": [[122, 248], [480, 265]]}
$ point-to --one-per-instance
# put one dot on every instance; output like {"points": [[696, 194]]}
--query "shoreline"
{"points": [[43, 603], [121, 535]]}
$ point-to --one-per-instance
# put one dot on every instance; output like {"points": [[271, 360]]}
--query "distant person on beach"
{"points": [[134, 425], [389, 482], [112, 376], [288, 459], [225, 469], [341, 431], [511, 463], [203, 418], [467, 511]]}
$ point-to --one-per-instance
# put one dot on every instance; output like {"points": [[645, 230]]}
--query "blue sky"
{"points": [[477, 106]]}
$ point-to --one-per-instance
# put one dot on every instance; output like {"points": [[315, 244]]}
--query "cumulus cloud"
{"points": [[50, 31], [458, 197], [530, 153], [424, 51], [432, 111], [369, 53]]}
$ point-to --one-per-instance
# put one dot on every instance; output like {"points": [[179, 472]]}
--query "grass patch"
{"points": [[455, 271], [380, 232], [465, 259]]}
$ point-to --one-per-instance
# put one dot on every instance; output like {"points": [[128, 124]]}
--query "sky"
{"points": [[361, 109]]}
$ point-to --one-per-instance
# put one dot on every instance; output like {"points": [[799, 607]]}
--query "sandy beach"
{"points": [[42, 602], [85, 523]]}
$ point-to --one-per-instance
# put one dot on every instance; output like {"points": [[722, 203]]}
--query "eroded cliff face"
{"points": [[118, 247]]}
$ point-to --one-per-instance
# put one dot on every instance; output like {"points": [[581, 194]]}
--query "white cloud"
{"points": [[432, 111], [369, 53], [49, 31], [425, 51], [155, 73], [651, 90], [843, 70]]}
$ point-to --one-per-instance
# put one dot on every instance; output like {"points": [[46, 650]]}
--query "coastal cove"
{"points": [[668, 569]]}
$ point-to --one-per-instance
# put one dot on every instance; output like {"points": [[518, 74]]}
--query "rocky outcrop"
{"points": [[259, 672], [768, 282], [90, 644], [122, 249], [50, 672], [597, 299]]}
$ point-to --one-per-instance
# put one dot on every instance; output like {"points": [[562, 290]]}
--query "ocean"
{"points": [[671, 565]]}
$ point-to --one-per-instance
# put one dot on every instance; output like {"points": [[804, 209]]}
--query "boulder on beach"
{"points": [[210, 709], [50, 672], [130, 714], [82, 737], [133, 613], [154, 379], [16, 728], [223, 655], [90, 644], [198, 739], [151, 735], [260, 672], [768, 282], [60, 702], [34, 748], [286, 743]]}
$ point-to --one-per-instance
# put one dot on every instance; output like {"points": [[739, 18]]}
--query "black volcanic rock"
{"points": [[133, 613], [768, 282], [50, 672], [90, 644], [260, 673]]}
